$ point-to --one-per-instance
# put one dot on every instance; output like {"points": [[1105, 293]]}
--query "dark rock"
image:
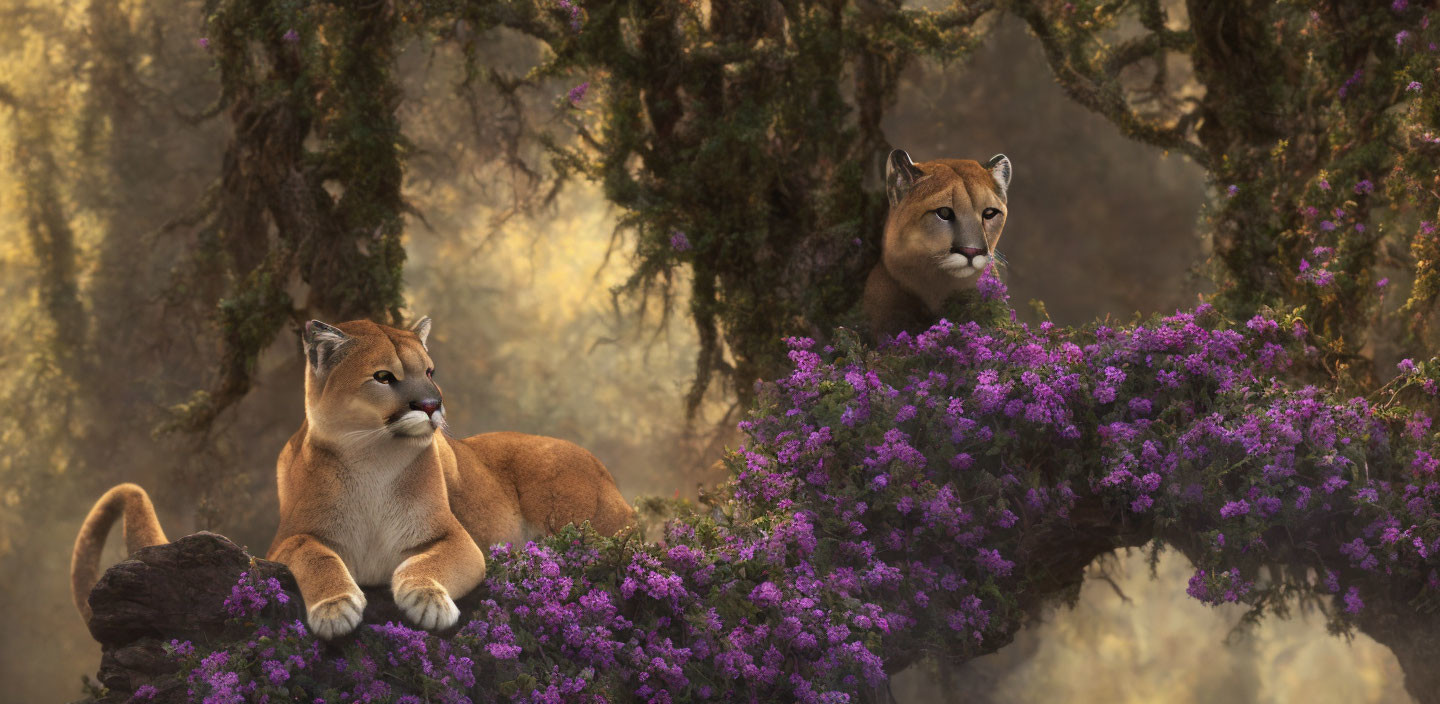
{"points": [[127, 667], [170, 592], [177, 591]]}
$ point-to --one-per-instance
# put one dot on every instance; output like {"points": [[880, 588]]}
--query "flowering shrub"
{"points": [[250, 596], [717, 612], [1320, 198], [921, 499]]}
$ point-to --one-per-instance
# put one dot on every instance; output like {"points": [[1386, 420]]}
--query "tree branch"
{"points": [[1097, 87]]}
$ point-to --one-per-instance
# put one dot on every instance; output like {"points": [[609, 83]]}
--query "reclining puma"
{"points": [[946, 217], [374, 492]]}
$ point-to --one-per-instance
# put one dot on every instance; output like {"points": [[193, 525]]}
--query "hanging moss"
{"points": [[311, 182], [738, 139], [1312, 123]]}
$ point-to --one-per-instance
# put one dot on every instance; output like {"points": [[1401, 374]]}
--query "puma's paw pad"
{"points": [[426, 604], [336, 616]]}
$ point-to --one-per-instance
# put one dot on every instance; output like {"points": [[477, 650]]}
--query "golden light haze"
{"points": [[101, 148]]}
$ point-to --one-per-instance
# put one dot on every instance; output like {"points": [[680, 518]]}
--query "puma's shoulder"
{"points": [[889, 308]]}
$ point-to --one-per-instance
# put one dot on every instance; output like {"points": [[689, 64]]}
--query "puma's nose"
{"points": [[426, 405], [971, 252]]}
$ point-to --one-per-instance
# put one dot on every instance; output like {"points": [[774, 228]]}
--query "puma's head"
{"points": [[366, 384], [945, 220]]}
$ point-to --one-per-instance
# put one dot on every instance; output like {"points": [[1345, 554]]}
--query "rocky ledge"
{"points": [[177, 591]]}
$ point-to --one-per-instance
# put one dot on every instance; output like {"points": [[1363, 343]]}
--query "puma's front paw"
{"points": [[337, 615], [426, 603]]}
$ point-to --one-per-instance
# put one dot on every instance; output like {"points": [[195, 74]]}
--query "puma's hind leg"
{"points": [[427, 583]]}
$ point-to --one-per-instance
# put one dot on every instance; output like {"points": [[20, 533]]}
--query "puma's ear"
{"points": [[325, 345], [999, 166], [421, 328], [900, 175]]}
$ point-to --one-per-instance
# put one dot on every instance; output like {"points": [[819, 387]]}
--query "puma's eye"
{"points": [[989, 213], [945, 214], [384, 377]]}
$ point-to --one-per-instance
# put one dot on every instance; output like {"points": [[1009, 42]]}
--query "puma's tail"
{"points": [[142, 529]]}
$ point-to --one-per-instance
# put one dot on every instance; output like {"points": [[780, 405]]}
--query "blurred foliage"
{"points": [[1317, 129]]}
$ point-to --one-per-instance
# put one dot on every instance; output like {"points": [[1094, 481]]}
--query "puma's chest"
{"points": [[377, 524]]}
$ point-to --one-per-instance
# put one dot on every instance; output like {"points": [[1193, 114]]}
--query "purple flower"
{"points": [[291, 36], [276, 672], [1364, 186], [990, 286], [573, 10], [203, 42], [1234, 508], [1353, 603], [992, 562], [1232, 190], [765, 594], [249, 597], [578, 93], [679, 242], [503, 651], [1414, 87], [1401, 37], [1350, 82]]}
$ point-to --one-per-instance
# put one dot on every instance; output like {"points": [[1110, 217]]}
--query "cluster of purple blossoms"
{"points": [[250, 596], [1239, 451], [885, 503], [577, 93], [573, 10], [711, 612]]}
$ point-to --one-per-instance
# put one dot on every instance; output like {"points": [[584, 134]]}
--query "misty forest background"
{"points": [[182, 184]]}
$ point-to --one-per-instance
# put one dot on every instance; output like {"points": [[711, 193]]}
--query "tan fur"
{"points": [[142, 529], [365, 502], [924, 259]]}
